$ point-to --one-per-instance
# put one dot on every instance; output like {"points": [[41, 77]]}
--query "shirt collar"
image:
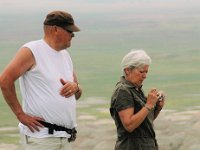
{"points": [[130, 84]]}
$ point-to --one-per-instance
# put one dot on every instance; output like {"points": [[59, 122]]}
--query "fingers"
{"points": [[155, 98], [34, 126], [152, 97], [154, 93], [160, 94], [62, 81], [153, 90], [31, 122], [68, 94], [37, 121], [68, 89]]}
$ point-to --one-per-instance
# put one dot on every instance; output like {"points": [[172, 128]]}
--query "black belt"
{"points": [[55, 127]]}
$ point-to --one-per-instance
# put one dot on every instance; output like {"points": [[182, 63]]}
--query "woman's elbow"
{"points": [[129, 128]]}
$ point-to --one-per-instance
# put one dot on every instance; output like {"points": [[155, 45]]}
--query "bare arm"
{"points": [[22, 62], [130, 120], [79, 91]]}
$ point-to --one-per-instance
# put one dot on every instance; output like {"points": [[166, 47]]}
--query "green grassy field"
{"points": [[97, 60]]}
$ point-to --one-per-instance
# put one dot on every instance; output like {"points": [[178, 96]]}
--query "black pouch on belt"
{"points": [[55, 127]]}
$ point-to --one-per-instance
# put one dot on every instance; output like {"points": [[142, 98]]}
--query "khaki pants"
{"points": [[51, 143]]}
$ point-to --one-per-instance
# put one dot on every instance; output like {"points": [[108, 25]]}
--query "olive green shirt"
{"points": [[127, 95]]}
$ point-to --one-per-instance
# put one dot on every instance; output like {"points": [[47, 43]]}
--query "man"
{"points": [[48, 85]]}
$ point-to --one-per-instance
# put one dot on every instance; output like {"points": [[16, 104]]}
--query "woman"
{"points": [[132, 112]]}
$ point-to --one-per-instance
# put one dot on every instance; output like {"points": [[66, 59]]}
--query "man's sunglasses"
{"points": [[71, 32]]}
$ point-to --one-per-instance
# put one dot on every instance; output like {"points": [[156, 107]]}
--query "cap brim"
{"points": [[72, 28]]}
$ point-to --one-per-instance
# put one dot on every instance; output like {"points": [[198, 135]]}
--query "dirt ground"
{"points": [[175, 130]]}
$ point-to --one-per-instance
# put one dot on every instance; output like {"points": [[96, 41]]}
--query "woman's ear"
{"points": [[126, 71]]}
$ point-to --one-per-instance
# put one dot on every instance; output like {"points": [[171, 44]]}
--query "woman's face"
{"points": [[137, 75]]}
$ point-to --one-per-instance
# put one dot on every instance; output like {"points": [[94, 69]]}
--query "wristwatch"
{"points": [[78, 88]]}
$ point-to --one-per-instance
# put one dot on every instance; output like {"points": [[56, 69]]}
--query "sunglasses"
{"points": [[71, 32]]}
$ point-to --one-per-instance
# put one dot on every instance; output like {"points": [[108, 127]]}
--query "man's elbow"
{"points": [[4, 82], [1, 82]]}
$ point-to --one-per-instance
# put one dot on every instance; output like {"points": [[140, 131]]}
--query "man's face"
{"points": [[65, 37]]}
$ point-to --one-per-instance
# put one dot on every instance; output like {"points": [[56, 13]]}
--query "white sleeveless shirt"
{"points": [[40, 89]]}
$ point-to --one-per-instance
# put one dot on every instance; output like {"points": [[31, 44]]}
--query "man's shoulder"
{"points": [[34, 45], [35, 42]]}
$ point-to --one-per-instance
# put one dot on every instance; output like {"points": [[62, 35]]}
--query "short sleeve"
{"points": [[123, 99]]}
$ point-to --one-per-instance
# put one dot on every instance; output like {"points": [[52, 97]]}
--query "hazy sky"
{"points": [[102, 16], [102, 6], [101, 9], [110, 9]]}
